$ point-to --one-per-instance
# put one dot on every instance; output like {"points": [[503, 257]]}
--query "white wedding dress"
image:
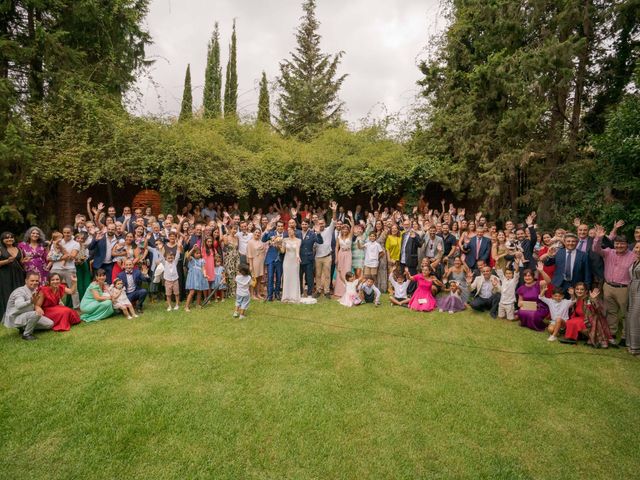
{"points": [[291, 271]]}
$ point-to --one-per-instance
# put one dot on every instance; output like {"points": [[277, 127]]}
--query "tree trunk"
{"points": [[36, 85], [583, 60]]}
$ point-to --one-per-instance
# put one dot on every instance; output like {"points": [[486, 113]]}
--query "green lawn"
{"points": [[317, 391]]}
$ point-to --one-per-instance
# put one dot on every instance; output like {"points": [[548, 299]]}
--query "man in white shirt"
{"points": [[66, 266], [243, 240], [323, 254], [487, 292]]}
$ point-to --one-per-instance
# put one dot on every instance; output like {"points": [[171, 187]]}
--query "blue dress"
{"points": [[217, 281], [195, 278]]}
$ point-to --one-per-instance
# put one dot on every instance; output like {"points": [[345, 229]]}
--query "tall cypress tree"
{"points": [[186, 111], [309, 87], [264, 112], [231, 82], [211, 100]]}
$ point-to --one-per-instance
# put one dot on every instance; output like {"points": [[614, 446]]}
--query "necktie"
{"points": [[478, 244], [581, 245], [567, 267]]}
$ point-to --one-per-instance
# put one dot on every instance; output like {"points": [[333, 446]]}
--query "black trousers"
{"points": [[482, 304], [306, 271]]}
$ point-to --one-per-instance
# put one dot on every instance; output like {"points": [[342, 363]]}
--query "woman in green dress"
{"points": [[97, 303], [83, 272]]}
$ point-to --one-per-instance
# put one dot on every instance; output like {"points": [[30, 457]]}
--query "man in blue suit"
{"points": [[132, 280], [478, 248], [307, 254], [572, 265], [273, 260], [101, 247]]}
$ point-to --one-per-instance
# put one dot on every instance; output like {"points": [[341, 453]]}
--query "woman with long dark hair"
{"points": [[11, 271], [49, 299]]}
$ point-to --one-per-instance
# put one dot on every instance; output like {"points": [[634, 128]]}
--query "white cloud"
{"points": [[381, 40]]}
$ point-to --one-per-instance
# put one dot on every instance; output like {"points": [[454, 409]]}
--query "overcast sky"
{"points": [[382, 40]]}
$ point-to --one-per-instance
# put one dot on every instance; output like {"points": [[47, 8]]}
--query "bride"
{"points": [[291, 268]]}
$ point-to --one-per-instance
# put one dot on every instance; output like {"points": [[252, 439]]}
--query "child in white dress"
{"points": [[350, 296], [121, 301]]}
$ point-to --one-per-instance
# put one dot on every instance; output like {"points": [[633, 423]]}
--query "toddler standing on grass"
{"points": [[243, 295], [197, 281]]}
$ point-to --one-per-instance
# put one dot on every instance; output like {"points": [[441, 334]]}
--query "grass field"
{"points": [[310, 392]]}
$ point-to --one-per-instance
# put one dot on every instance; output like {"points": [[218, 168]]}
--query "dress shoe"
{"points": [[622, 343], [28, 337]]}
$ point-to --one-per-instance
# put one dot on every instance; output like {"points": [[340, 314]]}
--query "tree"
{"points": [[186, 111], [264, 112], [308, 84], [211, 100], [231, 82]]}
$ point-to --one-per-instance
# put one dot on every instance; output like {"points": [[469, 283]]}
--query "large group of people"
{"points": [[581, 283]]}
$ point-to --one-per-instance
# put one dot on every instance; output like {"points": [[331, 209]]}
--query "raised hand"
{"points": [[89, 200], [576, 222], [333, 205], [618, 224], [540, 266], [415, 210], [594, 293], [294, 211], [600, 231]]}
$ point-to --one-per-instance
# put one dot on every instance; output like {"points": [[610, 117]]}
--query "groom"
{"points": [[273, 260]]}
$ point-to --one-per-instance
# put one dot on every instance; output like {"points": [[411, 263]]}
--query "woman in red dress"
{"points": [[545, 251], [577, 323], [49, 299]]}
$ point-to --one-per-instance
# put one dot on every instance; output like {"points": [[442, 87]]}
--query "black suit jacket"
{"points": [[411, 250]]}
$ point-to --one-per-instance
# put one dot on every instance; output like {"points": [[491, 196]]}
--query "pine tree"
{"points": [[231, 82], [211, 100], [309, 88], [264, 113], [186, 112]]}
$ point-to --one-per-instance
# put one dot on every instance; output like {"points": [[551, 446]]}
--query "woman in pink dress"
{"points": [[343, 259], [422, 299], [49, 298]]}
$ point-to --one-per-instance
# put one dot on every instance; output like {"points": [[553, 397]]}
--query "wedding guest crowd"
{"points": [[577, 284]]}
